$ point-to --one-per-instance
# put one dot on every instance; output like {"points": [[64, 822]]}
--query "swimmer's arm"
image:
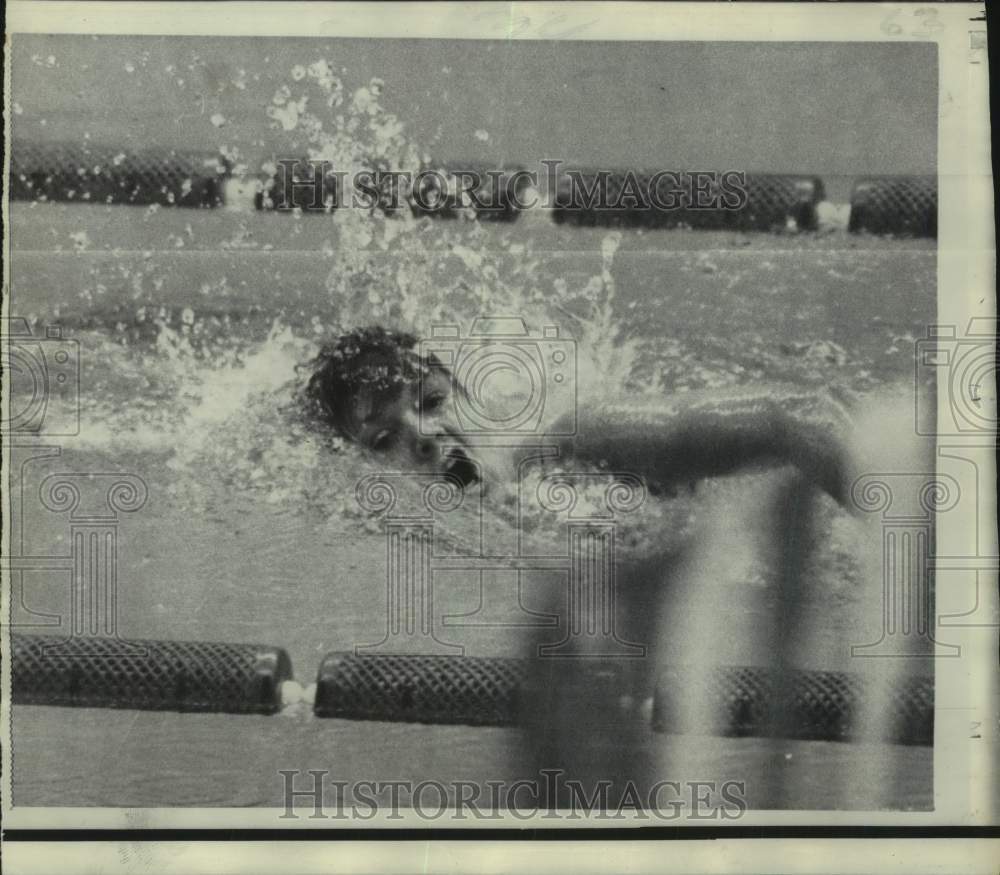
{"points": [[671, 447]]}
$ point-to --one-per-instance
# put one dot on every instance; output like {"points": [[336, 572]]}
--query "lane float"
{"points": [[727, 201], [901, 205], [148, 675], [808, 705], [487, 692], [475, 691], [105, 174]]}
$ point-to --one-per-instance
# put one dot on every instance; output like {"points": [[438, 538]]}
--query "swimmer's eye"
{"points": [[432, 402], [383, 441]]}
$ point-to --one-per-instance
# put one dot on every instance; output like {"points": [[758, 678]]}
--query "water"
{"points": [[194, 328]]}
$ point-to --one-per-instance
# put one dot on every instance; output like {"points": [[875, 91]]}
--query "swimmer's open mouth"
{"points": [[459, 465]]}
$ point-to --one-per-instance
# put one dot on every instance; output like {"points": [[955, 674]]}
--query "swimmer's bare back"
{"points": [[676, 443]]}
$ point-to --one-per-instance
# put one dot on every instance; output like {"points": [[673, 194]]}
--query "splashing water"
{"points": [[410, 273], [227, 401], [219, 398]]}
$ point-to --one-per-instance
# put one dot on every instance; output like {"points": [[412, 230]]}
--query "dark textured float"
{"points": [[87, 672], [105, 174], [902, 205], [816, 705]]}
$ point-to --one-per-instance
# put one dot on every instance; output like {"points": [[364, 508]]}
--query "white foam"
{"points": [[832, 216], [239, 195]]}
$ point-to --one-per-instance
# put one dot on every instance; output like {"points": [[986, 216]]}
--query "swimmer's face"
{"points": [[412, 427]]}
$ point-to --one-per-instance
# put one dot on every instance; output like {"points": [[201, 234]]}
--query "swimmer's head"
{"points": [[359, 371], [374, 389]]}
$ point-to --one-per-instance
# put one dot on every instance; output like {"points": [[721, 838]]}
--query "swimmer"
{"points": [[373, 388]]}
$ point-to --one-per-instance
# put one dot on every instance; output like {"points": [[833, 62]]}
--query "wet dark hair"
{"points": [[372, 358]]}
